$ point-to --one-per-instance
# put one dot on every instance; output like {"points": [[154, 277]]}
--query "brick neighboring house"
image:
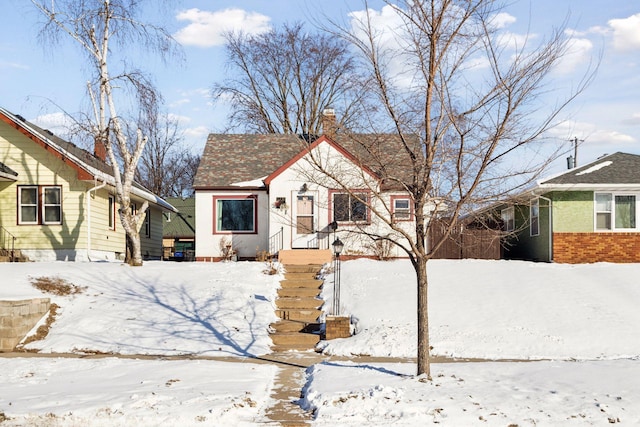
{"points": [[263, 194], [586, 214], [58, 202]]}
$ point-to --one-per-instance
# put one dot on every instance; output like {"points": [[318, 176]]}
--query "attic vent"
{"points": [[21, 118], [49, 132]]}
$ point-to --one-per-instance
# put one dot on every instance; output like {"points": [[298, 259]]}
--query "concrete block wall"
{"points": [[17, 318], [578, 248]]}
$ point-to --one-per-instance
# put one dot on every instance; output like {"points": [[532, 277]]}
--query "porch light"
{"points": [[337, 250], [337, 247], [304, 188]]}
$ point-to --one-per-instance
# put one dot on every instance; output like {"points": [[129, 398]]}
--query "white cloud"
{"points": [[578, 54], [58, 123], [14, 65], [591, 134], [198, 132], [634, 120], [626, 33], [206, 29], [502, 20]]}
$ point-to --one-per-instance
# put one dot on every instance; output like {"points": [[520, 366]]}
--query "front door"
{"points": [[304, 221]]}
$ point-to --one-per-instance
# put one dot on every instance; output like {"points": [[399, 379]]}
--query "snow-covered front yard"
{"points": [[583, 320]]}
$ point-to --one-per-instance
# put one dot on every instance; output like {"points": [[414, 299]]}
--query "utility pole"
{"points": [[575, 141]]}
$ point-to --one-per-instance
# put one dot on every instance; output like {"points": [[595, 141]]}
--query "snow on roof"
{"points": [[595, 168]]}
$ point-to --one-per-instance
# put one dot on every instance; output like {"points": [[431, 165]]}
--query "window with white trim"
{"points": [[28, 205], [235, 214], [508, 219], [615, 211], [39, 205], [534, 217], [147, 223], [112, 212], [349, 207], [401, 208]]}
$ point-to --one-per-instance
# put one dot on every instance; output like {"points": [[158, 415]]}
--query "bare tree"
{"points": [[283, 80], [167, 166], [106, 29], [463, 121]]}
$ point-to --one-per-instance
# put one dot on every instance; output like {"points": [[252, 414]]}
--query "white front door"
{"points": [[304, 220]]}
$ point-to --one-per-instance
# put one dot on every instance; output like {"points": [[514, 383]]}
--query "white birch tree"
{"points": [[106, 31]]}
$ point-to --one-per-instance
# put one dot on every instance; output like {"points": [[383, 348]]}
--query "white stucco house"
{"points": [[269, 193]]}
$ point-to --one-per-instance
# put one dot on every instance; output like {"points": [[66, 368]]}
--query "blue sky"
{"points": [[606, 116]]}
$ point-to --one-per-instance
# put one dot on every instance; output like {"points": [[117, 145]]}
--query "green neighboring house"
{"points": [[179, 230], [57, 201], [586, 214]]}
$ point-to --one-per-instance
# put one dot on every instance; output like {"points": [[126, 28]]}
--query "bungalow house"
{"points": [[586, 214], [262, 194], [57, 201]]}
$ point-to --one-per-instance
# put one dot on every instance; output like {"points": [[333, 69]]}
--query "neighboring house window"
{"points": [[401, 208], [39, 205], [235, 214], [112, 212], [28, 205], [508, 219], [534, 217], [615, 211], [147, 223], [350, 207]]}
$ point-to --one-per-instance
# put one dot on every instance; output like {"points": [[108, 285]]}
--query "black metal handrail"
{"points": [[4, 236], [276, 242]]}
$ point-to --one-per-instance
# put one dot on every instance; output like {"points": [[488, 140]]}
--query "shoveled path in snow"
{"points": [[288, 384]]}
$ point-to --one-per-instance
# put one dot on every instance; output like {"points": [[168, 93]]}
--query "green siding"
{"points": [[522, 245], [572, 211]]}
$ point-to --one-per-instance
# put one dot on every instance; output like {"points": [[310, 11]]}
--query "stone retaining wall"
{"points": [[17, 318]]}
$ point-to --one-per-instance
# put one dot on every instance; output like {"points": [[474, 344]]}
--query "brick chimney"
{"points": [[329, 122], [99, 150]]}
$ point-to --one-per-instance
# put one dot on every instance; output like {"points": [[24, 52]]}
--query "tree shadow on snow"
{"points": [[186, 323]]}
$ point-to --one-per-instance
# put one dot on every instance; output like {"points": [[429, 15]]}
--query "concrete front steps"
{"points": [[298, 306], [307, 257]]}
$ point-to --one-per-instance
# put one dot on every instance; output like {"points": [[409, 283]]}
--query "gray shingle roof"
{"points": [[617, 168], [231, 159]]}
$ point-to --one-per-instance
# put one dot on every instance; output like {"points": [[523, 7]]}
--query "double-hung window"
{"points": [[348, 207], [233, 214], [508, 219], [615, 211], [147, 223], [112, 212], [534, 217], [401, 208], [39, 205]]}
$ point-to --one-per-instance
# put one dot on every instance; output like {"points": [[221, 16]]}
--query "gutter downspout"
{"points": [[550, 226], [94, 189]]}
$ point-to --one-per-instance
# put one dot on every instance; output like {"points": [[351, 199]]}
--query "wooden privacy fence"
{"points": [[464, 242]]}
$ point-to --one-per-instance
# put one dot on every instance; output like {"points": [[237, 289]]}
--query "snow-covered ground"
{"points": [[583, 318]]}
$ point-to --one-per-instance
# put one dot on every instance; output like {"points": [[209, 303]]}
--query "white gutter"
{"points": [[94, 189]]}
